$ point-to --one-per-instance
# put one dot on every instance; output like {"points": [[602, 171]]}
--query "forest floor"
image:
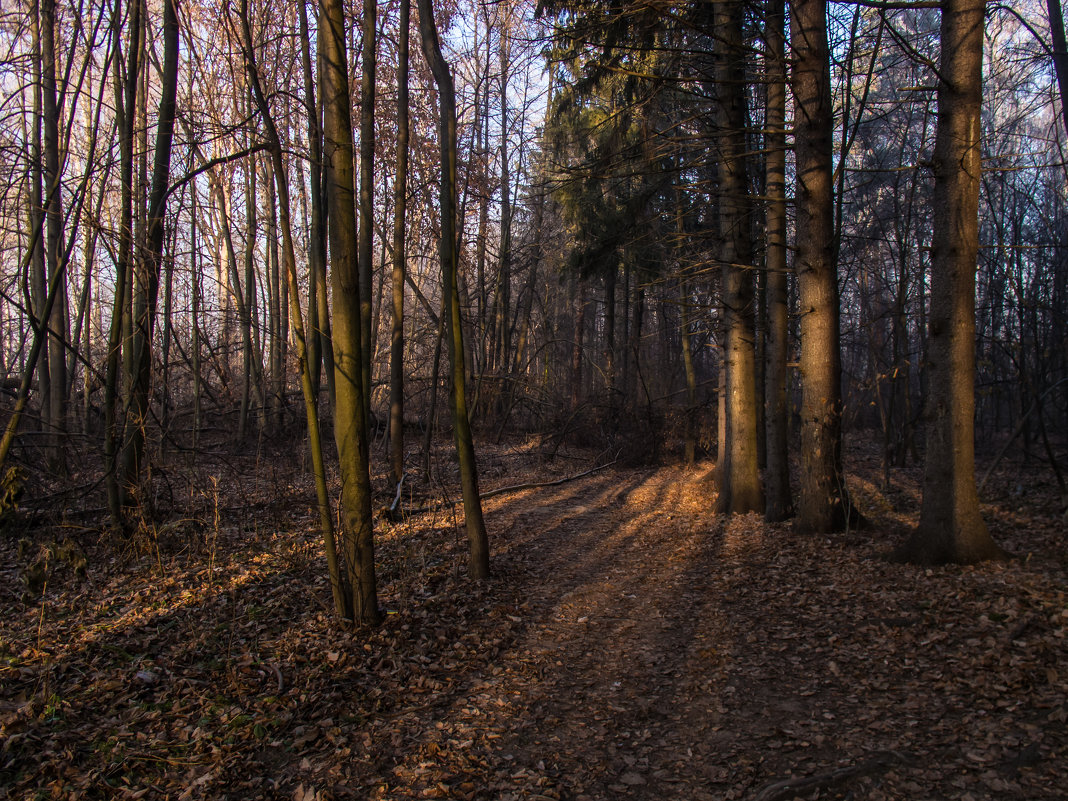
{"points": [[631, 644]]}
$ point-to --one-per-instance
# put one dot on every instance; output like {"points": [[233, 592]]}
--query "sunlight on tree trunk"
{"points": [[350, 423], [740, 488]]}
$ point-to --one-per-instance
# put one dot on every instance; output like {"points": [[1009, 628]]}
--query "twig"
{"points": [[1035, 404], [790, 788], [396, 498], [539, 485], [504, 490]]}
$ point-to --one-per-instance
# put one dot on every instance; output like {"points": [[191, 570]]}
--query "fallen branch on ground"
{"points": [[394, 513], [541, 484], [803, 785], [1035, 404], [393, 507]]}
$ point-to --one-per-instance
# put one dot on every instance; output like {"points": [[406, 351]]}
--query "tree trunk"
{"points": [[320, 351], [165, 345], [481, 124], [400, 205], [350, 420], [58, 322], [951, 527], [251, 381], [577, 346], [367, 197], [125, 110], [39, 335], [36, 213], [341, 603], [86, 309], [1060, 54], [276, 331], [740, 490], [610, 334], [779, 503], [150, 265], [195, 291], [478, 541], [435, 379], [504, 274], [823, 505], [690, 444]]}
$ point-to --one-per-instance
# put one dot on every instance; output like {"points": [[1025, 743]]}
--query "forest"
{"points": [[533, 399]]}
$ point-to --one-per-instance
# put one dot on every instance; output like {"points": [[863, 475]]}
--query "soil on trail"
{"points": [[632, 644], [671, 653]]}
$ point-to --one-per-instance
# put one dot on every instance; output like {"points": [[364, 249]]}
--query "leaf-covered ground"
{"points": [[631, 645]]}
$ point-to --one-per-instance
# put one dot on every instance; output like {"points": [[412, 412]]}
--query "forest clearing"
{"points": [[631, 644]]}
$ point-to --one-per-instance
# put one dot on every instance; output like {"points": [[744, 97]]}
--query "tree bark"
{"points": [[779, 502], [350, 421], [276, 332], [478, 541], [367, 196], [150, 265], [251, 376], [195, 291], [577, 344], [1060, 54], [337, 584], [690, 444], [951, 527], [400, 205], [823, 504], [504, 274], [58, 322], [740, 489], [125, 109], [36, 213], [320, 351]]}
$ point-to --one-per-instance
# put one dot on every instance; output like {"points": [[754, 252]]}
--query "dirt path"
{"points": [[667, 653], [597, 695], [622, 620]]}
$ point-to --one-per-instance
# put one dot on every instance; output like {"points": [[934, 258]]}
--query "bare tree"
{"points": [[478, 542], [951, 527], [367, 196], [740, 489], [148, 267], [823, 505], [779, 503], [342, 604], [400, 205], [350, 416]]}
